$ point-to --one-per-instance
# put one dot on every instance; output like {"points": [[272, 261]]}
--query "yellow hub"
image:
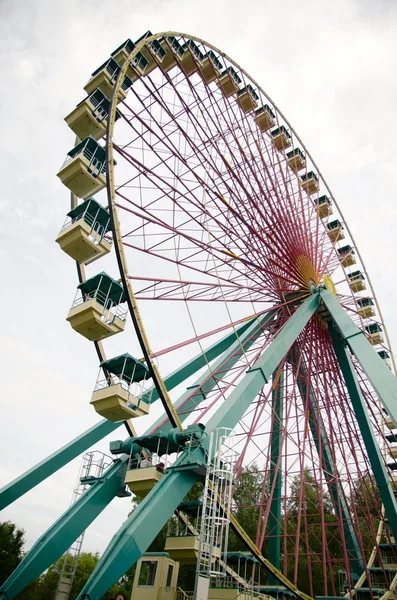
{"points": [[329, 284]]}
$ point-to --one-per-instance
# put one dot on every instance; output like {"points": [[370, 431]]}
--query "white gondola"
{"points": [[83, 235], [120, 392], [83, 172], [97, 311]]}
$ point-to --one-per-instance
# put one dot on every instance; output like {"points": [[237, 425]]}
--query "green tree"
{"points": [[246, 505], [12, 540], [310, 537]]}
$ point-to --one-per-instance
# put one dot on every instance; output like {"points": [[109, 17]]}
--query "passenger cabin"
{"points": [[374, 333], [296, 159], [96, 312], [189, 57], [229, 82], [324, 208], [156, 578], [380, 578], [281, 138], [346, 256], [139, 63], [120, 392], [238, 583], [210, 67], [356, 281], [182, 541], [335, 230], [310, 182], [247, 98], [153, 53], [123, 51], [83, 172], [147, 467], [388, 552], [386, 357], [365, 307], [90, 117], [142, 480], [388, 420], [105, 77], [83, 235], [265, 118], [170, 46]]}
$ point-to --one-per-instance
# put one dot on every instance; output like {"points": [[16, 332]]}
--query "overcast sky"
{"points": [[329, 66]]}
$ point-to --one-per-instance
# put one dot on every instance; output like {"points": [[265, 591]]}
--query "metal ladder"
{"points": [[92, 466]]}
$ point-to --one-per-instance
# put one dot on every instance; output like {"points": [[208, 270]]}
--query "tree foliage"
{"points": [[12, 540]]}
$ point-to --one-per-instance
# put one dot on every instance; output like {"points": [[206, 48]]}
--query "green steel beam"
{"points": [[47, 467], [61, 535], [374, 455], [382, 379], [28, 480], [136, 534], [276, 441], [320, 438]]}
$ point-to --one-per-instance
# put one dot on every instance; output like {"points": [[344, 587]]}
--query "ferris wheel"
{"points": [[199, 214]]}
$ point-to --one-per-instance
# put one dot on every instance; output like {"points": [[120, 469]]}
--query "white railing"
{"points": [[97, 231], [110, 310]]}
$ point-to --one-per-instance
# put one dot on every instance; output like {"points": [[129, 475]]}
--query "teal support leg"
{"points": [[380, 376], [337, 493], [66, 530], [145, 522], [28, 480], [47, 467], [276, 441], [374, 455]]}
